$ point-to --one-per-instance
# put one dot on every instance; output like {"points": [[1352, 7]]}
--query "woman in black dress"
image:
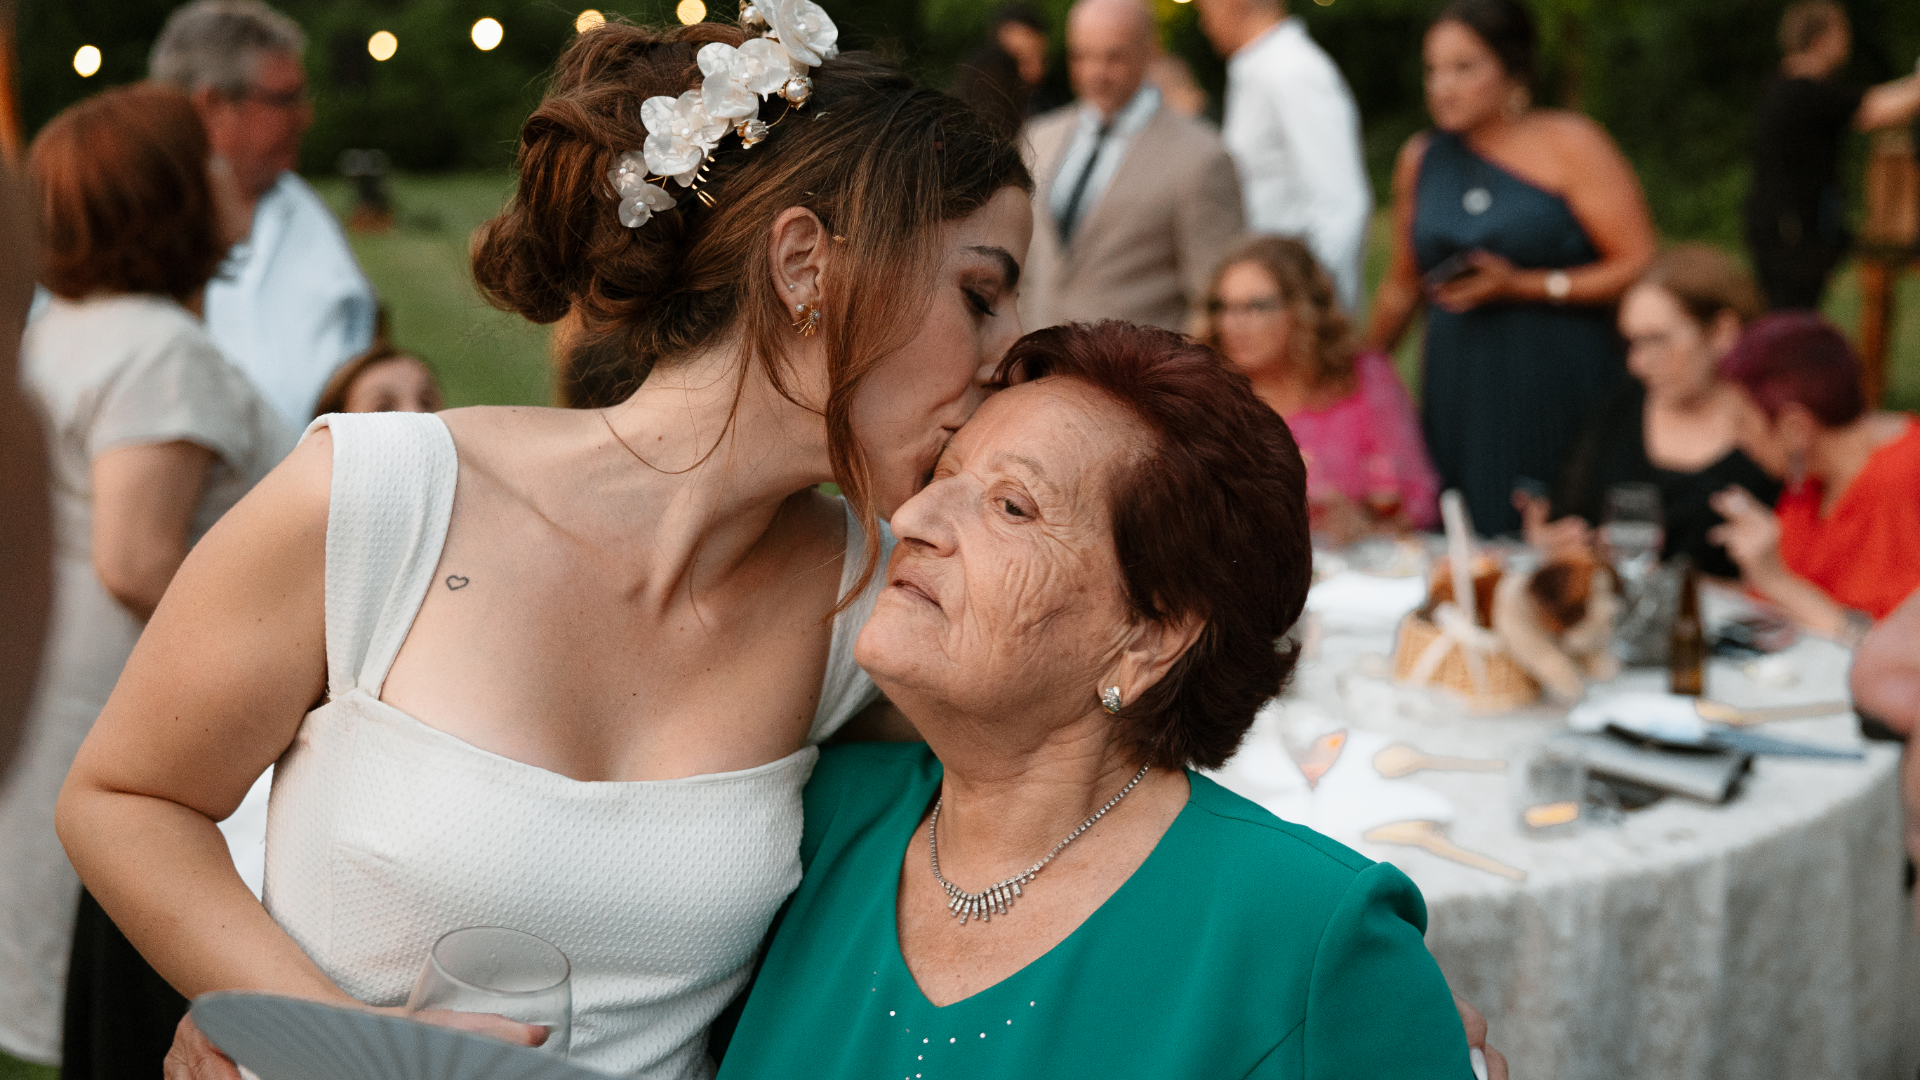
{"points": [[1517, 229], [1676, 424], [1796, 211]]}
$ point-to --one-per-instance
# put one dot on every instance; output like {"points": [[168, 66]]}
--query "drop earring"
{"points": [[1110, 700], [806, 319]]}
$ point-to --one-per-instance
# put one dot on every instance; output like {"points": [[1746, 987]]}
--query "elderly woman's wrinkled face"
{"points": [[1004, 598]]}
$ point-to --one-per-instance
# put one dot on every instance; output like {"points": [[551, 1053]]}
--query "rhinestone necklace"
{"points": [[998, 898]]}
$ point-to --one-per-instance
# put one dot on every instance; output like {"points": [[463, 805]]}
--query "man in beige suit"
{"points": [[1136, 203]]}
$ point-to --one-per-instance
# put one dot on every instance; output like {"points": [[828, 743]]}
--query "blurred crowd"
{"points": [[199, 306]]}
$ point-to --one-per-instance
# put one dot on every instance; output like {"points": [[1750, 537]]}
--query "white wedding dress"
{"points": [[385, 833]]}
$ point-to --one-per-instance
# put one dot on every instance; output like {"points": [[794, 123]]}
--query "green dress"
{"points": [[1243, 947]]}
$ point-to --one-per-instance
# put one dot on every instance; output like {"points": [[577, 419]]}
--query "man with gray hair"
{"points": [[1136, 204], [293, 306]]}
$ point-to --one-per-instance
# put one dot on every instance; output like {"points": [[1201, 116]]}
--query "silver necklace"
{"points": [[982, 905]]}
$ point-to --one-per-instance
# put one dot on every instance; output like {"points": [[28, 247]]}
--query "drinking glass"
{"points": [[510, 973], [1632, 534], [1549, 792]]}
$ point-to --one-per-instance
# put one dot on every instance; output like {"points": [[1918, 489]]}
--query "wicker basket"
{"points": [[1508, 684]]}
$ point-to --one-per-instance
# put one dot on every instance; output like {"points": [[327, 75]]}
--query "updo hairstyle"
{"points": [[882, 162], [1210, 522], [1507, 28]]}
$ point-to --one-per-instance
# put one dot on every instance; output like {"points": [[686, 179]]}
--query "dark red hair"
{"points": [[1798, 357], [1210, 523], [124, 196]]}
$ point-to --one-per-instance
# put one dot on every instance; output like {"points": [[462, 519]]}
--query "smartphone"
{"points": [[1455, 267]]}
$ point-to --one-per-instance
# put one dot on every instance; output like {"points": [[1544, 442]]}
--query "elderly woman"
{"points": [[1082, 608], [1842, 548]]}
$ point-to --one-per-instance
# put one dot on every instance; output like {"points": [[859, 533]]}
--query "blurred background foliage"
{"points": [[1674, 80]]}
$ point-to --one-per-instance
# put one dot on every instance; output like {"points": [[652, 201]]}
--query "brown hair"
{"points": [[880, 160], [1706, 281], [333, 399], [1321, 342], [1210, 523], [1805, 22], [124, 196]]}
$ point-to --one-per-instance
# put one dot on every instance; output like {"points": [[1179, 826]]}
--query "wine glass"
{"points": [[510, 973], [1633, 529]]}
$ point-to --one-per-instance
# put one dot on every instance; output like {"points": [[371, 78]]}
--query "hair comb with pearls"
{"points": [[795, 36]]}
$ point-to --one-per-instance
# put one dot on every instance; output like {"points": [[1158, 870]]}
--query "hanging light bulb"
{"points": [[382, 45], [487, 34], [690, 12], [86, 61], [588, 20]]}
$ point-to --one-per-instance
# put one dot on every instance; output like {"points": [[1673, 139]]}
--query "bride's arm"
{"points": [[234, 657]]}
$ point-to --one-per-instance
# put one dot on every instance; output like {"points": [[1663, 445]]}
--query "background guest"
{"points": [[1796, 210], [154, 435], [1676, 425], [25, 531], [1886, 685], [1003, 78], [1519, 228], [382, 379], [294, 305], [1272, 314], [1844, 546], [1136, 203], [1294, 132]]}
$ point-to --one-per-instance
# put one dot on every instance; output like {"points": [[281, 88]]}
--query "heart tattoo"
{"points": [[455, 582]]}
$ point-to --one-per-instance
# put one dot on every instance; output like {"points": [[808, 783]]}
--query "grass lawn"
{"points": [[483, 356], [15, 1069], [487, 357]]}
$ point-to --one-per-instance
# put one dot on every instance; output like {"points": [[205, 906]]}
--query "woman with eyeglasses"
{"points": [[1271, 313]]}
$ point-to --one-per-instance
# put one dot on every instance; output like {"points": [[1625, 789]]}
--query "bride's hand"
{"points": [[194, 1057]]}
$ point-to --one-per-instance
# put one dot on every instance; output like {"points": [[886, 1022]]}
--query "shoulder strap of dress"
{"points": [[847, 689], [392, 496]]}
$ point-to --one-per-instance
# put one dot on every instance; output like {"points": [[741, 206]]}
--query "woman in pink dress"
{"points": [[1271, 313]]}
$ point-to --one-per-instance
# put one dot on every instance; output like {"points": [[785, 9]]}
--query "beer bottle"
{"points": [[1687, 643]]}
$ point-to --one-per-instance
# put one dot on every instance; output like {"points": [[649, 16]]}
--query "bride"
{"points": [[564, 670]]}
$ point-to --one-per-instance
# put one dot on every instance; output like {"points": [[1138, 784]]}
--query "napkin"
{"points": [[1350, 799], [1669, 717], [1351, 601]]}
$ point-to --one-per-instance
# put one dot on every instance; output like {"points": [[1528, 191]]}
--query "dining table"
{"points": [[1771, 935]]}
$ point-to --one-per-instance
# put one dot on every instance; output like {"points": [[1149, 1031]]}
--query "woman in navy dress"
{"points": [[1518, 229]]}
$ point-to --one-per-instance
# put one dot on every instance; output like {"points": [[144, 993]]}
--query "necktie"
{"points": [[1071, 219]]}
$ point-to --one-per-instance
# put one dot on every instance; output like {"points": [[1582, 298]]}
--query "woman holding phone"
{"points": [[1517, 229]]}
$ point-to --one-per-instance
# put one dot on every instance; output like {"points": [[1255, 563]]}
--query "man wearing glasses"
{"points": [[292, 305]]}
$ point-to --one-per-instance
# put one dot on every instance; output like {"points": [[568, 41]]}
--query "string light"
{"points": [[86, 61], [690, 12], [487, 34], [588, 20], [382, 45]]}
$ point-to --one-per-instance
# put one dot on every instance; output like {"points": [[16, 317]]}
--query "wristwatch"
{"points": [[1559, 286]]}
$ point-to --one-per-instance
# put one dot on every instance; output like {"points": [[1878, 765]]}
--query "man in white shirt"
{"points": [[1294, 131], [292, 305], [1136, 204]]}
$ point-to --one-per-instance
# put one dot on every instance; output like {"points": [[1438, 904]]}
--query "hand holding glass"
{"points": [[491, 969]]}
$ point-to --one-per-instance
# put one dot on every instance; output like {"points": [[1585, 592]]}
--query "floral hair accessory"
{"points": [[796, 36]]}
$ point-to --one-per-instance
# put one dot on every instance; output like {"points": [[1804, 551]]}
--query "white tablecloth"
{"points": [[1770, 937]]}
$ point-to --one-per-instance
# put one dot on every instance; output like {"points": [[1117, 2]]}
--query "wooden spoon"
{"points": [[1429, 836], [1727, 714], [1400, 759]]}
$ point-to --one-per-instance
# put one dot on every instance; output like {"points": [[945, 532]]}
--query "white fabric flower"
{"points": [[733, 80], [639, 200], [680, 135], [804, 28]]}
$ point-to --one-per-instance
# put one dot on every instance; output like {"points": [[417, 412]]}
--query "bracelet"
{"points": [[1559, 286]]}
